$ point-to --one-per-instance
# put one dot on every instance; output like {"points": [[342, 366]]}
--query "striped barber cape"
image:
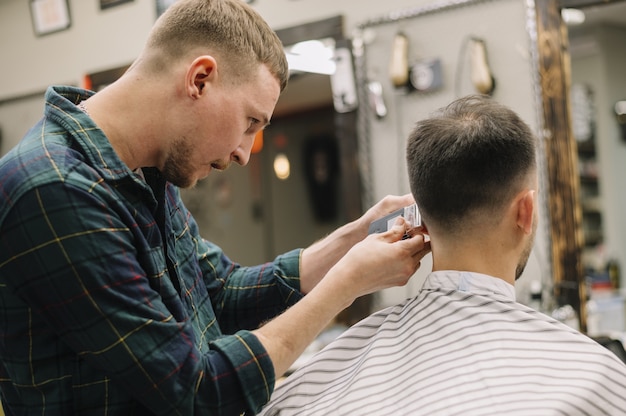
{"points": [[462, 346]]}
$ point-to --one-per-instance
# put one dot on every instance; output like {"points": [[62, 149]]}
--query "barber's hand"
{"points": [[325, 253], [381, 260], [376, 262], [385, 206]]}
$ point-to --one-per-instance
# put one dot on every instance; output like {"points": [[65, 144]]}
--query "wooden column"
{"points": [[563, 184]]}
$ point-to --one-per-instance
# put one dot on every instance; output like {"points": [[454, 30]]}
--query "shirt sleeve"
{"points": [[71, 263], [246, 297], [242, 297]]}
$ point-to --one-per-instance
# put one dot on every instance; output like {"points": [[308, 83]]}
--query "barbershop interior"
{"points": [[361, 73]]}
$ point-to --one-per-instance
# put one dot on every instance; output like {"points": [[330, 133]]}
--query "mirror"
{"points": [[598, 65]]}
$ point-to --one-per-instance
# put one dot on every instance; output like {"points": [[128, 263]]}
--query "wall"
{"points": [[104, 39], [95, 41], [286, 13]]}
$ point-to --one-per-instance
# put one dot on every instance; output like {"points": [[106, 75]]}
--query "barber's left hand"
{"points": [[385, 206]]}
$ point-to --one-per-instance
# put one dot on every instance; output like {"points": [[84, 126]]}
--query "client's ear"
{"points": [[526, 210]]}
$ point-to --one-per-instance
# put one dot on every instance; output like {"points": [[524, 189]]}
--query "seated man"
{"points": [[463, 345]]}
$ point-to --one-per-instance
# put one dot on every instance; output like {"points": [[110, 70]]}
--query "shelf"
{"points": [[591, 205], [587, 148], [593, 239], [588, 170], [586, 179]]}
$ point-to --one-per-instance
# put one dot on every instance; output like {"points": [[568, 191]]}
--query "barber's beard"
{"points": [[177, 168], [522, 264]]}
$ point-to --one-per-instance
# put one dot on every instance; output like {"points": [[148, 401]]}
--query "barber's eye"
{"points": [[253, 123]]}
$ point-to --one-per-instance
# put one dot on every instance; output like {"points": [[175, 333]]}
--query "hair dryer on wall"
{"points": [[399, 64], [482, 78]]}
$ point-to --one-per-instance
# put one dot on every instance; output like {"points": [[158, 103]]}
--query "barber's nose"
{"points": [[241, 156]]}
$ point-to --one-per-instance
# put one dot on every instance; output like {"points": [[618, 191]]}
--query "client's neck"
{"points": [[480, 256]]}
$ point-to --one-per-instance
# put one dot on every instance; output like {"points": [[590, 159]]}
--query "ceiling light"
{"points": [[312, 56]]}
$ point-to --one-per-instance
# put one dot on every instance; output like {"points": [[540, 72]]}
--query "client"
{"points": [[463, 345]]}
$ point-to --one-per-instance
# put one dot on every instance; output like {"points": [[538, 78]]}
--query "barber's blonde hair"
{"points": [[230, 30]]}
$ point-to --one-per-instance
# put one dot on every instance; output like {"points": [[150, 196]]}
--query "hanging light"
{"points": [[312, 56], [282, 167]]}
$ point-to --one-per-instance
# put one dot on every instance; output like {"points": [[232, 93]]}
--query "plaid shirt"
{"points": [[110, 301]]}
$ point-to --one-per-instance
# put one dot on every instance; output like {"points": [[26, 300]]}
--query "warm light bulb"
{"points": [[282, 168]]}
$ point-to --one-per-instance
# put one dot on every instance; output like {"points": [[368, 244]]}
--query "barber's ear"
{"points": [[201, 72], [525, 210]]}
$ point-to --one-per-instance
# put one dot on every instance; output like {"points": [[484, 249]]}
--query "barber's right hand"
{"points": [[376, 262], [380, 261]]}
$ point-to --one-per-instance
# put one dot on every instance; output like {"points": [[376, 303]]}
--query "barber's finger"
{"points": [[424, 251], [398, 230], [414, 231], [417, 246], [391, 203]]}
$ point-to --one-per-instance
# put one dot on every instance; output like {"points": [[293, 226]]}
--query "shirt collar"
{"points": [[475, 283], [61, 106]]}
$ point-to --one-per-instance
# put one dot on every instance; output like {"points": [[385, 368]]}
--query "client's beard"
{"points": [[526, 253]]}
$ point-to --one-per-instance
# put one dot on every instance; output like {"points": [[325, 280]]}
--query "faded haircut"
{"points": [[230, 30], [469, 158]]}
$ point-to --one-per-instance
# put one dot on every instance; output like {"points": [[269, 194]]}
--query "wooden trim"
{"points": [[566, 234]]}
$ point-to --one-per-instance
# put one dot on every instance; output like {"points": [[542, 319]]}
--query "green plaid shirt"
{"points": [[110, 301]]}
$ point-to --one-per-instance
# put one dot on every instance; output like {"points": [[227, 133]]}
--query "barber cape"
{"points": [[462, 346]]}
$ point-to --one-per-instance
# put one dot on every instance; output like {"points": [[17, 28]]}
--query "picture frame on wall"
{"points": [[50, 16], [107, 4]]}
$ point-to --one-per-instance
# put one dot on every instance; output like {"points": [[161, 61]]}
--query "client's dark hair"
{"points": [[469, 157]]}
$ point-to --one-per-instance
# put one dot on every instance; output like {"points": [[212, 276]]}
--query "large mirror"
{"points": [[596, 36]]}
